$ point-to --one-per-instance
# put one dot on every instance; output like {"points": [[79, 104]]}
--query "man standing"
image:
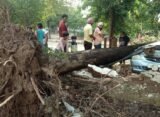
{"points": [[123, 39], [98, 34], [88, 34], [63, 25]]}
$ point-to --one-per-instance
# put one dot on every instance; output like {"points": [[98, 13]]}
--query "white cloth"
{"points": [[62, 44]]}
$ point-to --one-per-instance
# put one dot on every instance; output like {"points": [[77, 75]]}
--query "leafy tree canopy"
{"points": [[131, 16]]}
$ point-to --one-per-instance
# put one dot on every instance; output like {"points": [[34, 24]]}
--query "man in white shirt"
{"points": [[88, 34]]}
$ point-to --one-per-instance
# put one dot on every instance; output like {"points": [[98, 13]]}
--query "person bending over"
{"points": [[62, 44]]}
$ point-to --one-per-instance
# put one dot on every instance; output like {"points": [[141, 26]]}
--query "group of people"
{"points": [[91, 36], [42, 35], [96, 36]]}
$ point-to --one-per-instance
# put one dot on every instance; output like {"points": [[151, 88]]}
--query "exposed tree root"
{"points": [[6, 100], [37, 92]]}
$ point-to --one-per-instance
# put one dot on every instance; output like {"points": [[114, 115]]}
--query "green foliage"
{"points": [[101, 10], [131, 16], [29, 12], [144, 17], [55, 54], [76, 22], [49, 12], [26, 12], [53, 10]]}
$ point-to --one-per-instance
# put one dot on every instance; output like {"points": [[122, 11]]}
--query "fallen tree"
{"points": [[28, 83], [80, 60]]}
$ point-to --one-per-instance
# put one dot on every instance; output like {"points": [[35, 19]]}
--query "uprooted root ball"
{"points": [[23, 85]]}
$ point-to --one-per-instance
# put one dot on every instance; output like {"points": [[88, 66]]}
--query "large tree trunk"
{"points": [[111, 27], [82, 59], [112, 38]]}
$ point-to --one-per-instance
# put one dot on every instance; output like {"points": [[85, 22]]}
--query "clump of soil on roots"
{"points": [[23, 85]]}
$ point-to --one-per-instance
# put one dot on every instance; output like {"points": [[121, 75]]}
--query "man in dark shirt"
{"points": [[123, 40], [62, 25]]}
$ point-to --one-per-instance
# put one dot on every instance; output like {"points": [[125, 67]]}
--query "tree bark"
{"points": [[97, 57], [49, 31], [111, 27], [105, 42]]}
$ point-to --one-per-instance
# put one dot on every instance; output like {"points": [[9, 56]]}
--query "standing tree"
{"points": [[29, 12], [26, 12]]}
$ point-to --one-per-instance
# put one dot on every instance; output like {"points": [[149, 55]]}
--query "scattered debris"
{"points": [[152, 75], [102, 72], [71, 109], [84, 73]]}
